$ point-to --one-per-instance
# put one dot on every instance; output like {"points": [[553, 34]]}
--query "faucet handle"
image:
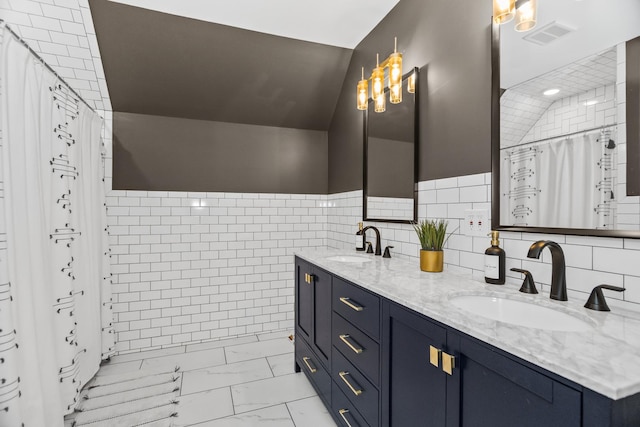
{"points": [[528, 285], [387, 253], [596, 300], [369, 248]]}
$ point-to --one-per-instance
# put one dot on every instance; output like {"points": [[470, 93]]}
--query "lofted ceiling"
{"points": [[164, 64], [334, 22]]}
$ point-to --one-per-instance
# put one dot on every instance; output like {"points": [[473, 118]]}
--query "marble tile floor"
{"points": [[240, 382]]}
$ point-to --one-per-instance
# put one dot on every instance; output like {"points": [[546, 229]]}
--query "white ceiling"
{"points": [[598, 24], [342, 23]]}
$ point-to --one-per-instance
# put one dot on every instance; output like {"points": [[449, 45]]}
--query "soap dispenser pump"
{"points": [[360, 238], [494, 261]]}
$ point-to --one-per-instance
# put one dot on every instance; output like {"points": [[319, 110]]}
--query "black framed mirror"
{"points": [[390, 183], [566, 162]]}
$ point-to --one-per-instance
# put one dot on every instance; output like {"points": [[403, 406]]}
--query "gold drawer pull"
{"points": [[434, 356], [355, 391], [355, 349], [448, 363], [342, 413], [308, 278], [348, 303], [306, 362]]}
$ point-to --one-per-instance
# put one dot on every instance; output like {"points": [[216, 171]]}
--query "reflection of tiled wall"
{"points": [[628, 213], [189, 267], [590, 260], [389, 207], [570, 114], [518, 114]]}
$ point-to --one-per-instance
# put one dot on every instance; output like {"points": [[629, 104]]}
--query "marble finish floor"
{"points": [[241, 382]]}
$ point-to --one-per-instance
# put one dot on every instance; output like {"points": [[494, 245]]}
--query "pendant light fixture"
{"points": [[378, 78], [526, 14], [395, 75], [524, 11], [411, 83], [380, 103], [503, 11], [363, 93]]}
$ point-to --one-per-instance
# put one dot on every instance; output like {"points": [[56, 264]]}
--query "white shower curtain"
{"points": [[55, 310], [568, 183]]}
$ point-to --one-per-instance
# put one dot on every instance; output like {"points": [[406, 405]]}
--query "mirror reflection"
{"points": [[563, 118], [389, 156]]}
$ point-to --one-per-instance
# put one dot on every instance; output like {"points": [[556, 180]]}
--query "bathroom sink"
{"points": [[519, 313], [349, 258]]}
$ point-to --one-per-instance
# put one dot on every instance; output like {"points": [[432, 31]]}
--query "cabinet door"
{"points": [[499, 391], [416, 388], [304, 298], [322, 314]]}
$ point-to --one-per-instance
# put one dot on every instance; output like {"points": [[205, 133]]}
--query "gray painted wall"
{"points": [[450, 41], [390, 168], [174, 154]]}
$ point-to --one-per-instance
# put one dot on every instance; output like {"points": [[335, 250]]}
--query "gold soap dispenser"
{"points": [[494, 261]]}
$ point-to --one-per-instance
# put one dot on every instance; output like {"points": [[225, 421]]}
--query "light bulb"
{"points": [[526, 15], [503, 11]]}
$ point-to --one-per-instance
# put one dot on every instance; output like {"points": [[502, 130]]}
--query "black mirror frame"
{"points": [[416, 160], [495, 161]]}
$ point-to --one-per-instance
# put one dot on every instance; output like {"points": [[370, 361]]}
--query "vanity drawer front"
{"points": [[357, 306], [313, 369], [356, 346], [344, 411], [362, 394]]}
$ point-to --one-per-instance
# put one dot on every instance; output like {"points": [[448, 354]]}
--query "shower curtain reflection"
{"points": [[569, 182]]}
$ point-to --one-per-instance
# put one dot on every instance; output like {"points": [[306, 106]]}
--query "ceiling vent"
{"points": [[549, 33]]}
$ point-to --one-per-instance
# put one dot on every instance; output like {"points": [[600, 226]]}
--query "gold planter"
{"points": [[431, 261]]}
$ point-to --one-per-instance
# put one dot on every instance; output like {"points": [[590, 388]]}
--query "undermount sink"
{"points": [[519, 313], [349, 258]]}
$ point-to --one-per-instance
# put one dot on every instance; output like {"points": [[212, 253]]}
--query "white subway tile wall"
{"points": [[192, 267], [389, 207], [590, 260]]}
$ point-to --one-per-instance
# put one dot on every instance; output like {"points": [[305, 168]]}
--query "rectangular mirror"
{"points": [[560, 103], [390, 159]]}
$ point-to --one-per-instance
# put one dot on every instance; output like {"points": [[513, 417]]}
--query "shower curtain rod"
{"points": [[562, 136], [34, 53]]}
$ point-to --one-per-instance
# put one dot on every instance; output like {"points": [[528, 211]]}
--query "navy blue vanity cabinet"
{"points": [[415, 387], [355, 364], [375, 362], [495, 389], [438, 376], [313, 325]]}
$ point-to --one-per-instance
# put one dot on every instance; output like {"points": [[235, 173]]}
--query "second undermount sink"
{"points": [[349, 258], [520, 313]]}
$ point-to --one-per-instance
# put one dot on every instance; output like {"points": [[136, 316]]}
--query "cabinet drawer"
{"points": [[357, 306], [313, 369], [344, 411], [356, 346], [356, 387]]}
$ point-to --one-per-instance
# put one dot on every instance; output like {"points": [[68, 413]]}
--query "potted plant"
{"points": [[432, 235]]}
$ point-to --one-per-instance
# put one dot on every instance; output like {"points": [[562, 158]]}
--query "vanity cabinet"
{"points": [[355, 362], [313, 326], [375, 362], [440, 377], [416, 389]]}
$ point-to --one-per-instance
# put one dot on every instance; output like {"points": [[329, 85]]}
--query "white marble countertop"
{"points": [[605, 358]]}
